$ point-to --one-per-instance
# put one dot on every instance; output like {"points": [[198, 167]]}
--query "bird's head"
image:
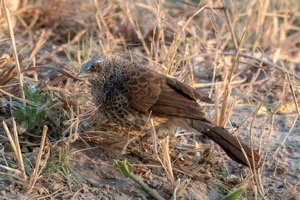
{"points": [[98, 68]]}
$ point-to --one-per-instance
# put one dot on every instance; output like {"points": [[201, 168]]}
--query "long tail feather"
{"points": [[233, 147]]}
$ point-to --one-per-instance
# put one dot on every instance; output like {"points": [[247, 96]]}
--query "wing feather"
{"points": [[149, 90]]}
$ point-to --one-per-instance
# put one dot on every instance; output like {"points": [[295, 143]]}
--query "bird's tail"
{"points": [[233, 147]]}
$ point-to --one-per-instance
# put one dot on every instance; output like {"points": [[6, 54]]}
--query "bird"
{"points": [[128, 93]]}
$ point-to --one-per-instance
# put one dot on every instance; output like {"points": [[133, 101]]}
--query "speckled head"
{"points": [[102, 68], [87, 66]]}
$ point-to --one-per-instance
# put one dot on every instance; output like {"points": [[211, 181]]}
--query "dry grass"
{"points": [[245, 55]]}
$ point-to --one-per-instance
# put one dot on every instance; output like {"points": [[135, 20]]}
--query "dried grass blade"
{"points": [[12, 37], [64, 72], [19, 153], [36, 170], [16, 151]]}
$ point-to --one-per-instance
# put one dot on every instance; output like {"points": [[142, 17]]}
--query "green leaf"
{"points": [[196, 2], [124, 167], [32, 116], [236, 193], [24, 126]]}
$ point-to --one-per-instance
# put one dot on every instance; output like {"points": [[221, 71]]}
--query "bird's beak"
{"points": [[85, 69]]}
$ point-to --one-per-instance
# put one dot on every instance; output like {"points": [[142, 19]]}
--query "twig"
{"points": [[228, 87], [293, 93], [15, 54], [230, 28], [16, 148], [37, 171], [19, 153]]}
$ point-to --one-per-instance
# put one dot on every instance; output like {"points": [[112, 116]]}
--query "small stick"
{"points": [[16, 151], [36, 170], [13, 43]]}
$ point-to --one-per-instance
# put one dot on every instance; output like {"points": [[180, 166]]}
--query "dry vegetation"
{"points": [[54, 145]]}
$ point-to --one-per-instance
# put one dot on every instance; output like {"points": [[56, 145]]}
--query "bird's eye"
{"points": [[94, 67]]}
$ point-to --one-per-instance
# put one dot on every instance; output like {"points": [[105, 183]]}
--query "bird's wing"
{"points": [[151, 91], [187, 90], [176, 102], [144, 87]]}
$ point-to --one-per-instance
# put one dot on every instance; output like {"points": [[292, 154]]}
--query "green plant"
{"points": [[60, 164], [32, 116], [126, 169], [236, 193]]}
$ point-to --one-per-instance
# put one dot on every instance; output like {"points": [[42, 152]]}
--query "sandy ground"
{"points": [[280, 174], [97, 178]]}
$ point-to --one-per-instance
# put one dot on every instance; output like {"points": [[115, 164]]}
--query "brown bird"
{"points": [[127, 93]]}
